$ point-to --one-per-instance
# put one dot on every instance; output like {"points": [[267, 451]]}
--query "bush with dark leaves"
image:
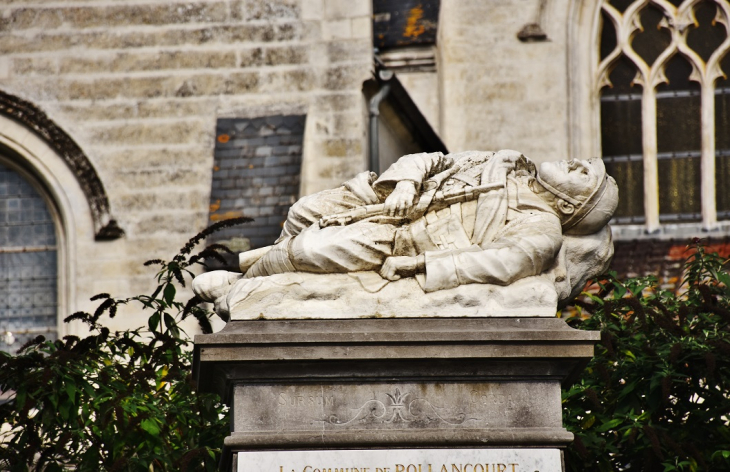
{"points": [[656, 396], [116, 401]]}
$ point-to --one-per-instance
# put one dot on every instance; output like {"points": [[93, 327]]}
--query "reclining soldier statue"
{"points": [[485, 230]]}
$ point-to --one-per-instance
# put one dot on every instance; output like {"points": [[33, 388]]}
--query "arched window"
{"points": [[665, 108], [51, 202], [28, 260]]}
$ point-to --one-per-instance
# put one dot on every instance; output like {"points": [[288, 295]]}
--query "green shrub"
{"points": [[656, 395], [121, 401], [654, 398]]}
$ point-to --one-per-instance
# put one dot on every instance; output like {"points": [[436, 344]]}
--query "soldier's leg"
{"points": [[304, 213], [308, 210], [335, 249]]}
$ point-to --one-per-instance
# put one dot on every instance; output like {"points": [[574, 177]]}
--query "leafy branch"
{"points": [[120, 401], [656, 396]]}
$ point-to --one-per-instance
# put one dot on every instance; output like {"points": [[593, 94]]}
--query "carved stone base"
{"points": [[392, 383]]}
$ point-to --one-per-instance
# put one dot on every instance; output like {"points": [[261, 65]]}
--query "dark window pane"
{"points": [[709, 34], [679, 189], [620, 126], [621, 76], [23, 213], [678, 123], [679, 143], [653, 40], [28, 259], [722, 141], [722, 179], [621, 5], [678, 72], [621, 140], [629, 175], [608, 36], [722, 108], [678, 109], [621, 112]]}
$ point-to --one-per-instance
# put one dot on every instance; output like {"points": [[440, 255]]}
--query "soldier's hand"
{"points": [[401, 201], [499, 165], [399, 266], [334, 220]]}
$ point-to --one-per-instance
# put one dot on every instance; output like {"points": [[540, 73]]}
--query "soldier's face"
{"points": [[575, 178]]}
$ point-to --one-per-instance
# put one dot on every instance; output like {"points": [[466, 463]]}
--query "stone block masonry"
{"points": [[256, 173], [142, 85]]}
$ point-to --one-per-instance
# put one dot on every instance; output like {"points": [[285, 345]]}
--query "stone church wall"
{"points": [[497, 91], [140, 85]]}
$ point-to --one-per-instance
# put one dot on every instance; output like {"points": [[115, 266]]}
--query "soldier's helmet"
{"points": [[595, 211]]}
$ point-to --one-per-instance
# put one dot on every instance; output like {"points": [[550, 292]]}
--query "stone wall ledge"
{"points": [[482, 349], [530, 437]]}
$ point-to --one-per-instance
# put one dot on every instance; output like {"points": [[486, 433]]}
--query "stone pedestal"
{"points": [[392, 384]]}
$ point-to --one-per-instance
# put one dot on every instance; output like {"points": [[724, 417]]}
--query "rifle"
{"points": [[427, 201]]}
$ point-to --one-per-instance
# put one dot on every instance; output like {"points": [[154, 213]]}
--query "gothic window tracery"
{"points": [[665, 108]]}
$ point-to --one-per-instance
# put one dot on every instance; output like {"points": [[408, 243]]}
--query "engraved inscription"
{"points": [[498, 399], [302, 401], [403, 460], [511, 467]]}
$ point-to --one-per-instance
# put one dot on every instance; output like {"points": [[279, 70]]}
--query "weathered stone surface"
{"points": [[118, 15], [126, 62], [338, 9], [393, 383], [154, 200], [337, 102], [394, 407], [304, 296], [23, 18], [337, 29], [342, 147], [126, 159], [163, 222], [123, 39], [253, 10], [35, 66], [344, 51], [344, 77], [295, 80], [479, 53], [172, 132], [151, 177], [286, 55]]}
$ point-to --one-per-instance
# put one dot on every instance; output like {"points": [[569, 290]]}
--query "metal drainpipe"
{"points": [[384, 75]]}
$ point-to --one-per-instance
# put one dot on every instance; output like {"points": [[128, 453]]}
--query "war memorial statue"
{"points": [[409, 319], [465, 234]]}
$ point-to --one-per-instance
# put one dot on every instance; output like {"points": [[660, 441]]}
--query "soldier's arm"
{"points": [[416, 168], [527, 249], [403, 180]]}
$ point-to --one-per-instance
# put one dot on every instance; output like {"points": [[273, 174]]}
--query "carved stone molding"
{"points": [[400, 408], [29, 115]]}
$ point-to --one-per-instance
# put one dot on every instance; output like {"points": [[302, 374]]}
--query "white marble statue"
{"points": [[467, 234]]}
